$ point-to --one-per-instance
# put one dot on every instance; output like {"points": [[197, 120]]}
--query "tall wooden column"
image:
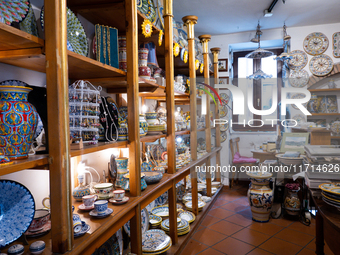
{"points": [[215, 52], [57, 107], [133, 120], [190, 21], [204, 40], [170, 107]]}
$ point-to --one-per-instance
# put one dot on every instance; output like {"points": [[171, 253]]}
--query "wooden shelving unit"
{"points": [[325, 114], [35, 162], [324, 90]]}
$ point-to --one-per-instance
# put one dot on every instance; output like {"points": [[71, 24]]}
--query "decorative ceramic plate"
{"points": [[167, 222], [223, 111], [334, 200], [223, 136], [329, 202], [162, 199], [224, 127], [17, 210], [156, 151], [188, 216], [145, 222], [82, 207], [336, 44], [155, 231], [180, 191], [188, 197], [298, 78], [297, 96], [328, 186], [29, 24], [299, 118], [83, 231], [46, 228], [13, 11], [76, 37], [181, 226], [202, 176], [154, 241], [119, 202], [95, 214], [188, 204], [155, 220], [335, 127], [321, 65], [299, 60], [150, 206], [315, 43], [225, 98], [161, 211], [147, 8]]}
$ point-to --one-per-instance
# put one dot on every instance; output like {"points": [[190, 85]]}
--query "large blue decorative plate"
{"points": [[162, 199], [17, 210], [76, 37], [154, 241], [145, 222], [13, 11]]}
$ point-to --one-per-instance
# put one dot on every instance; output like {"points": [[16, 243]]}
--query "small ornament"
{"points": [[201, 68], [185, 57], [147, 28], [176, 49], [197, 64], [160, 37]]}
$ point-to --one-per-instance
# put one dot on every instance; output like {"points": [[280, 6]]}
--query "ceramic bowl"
{"points": [[16, 249], [160, 169], [151, 115], [152, 177], [37, 247], [41, 217], [103, 190]]}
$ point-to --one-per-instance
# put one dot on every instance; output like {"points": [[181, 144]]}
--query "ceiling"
{"points": [[232, 16]]}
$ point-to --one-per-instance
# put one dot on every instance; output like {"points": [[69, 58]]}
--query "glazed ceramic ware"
{"points": [[16, 249], [18, 121], [143, 69], [118, 195], [143, 124], [37, 247], [144, 221], [152, 177], [77, 225], [89, 200], [100, 206], [85, 228], [41, 217], [122, 164], [292, 202], [260, 196], [126, 182], [103, 190], [81, 190]]}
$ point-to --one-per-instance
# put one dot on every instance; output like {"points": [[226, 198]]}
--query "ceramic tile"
{"points": [[251, 236], [280, 247], [259, 251], [298, 226], [209, 220], [220, 202], [240, 219], [311, 245], [282, 222], [242, 201], [220, 213], [234, 207], [208, 236], [306, 252], [225, 227], [233, 246], [266, 228], [193, 247], [211, 251], [200, 227], [294, 237]]}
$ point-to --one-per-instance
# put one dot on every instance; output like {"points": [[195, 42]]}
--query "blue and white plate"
{"points": [[155, 231], [83, 231], [155, 220], [145, 222], [201, 204], [154, 241], [161, 211], [150, 206], [162, 199], [188, 197], [95, 214], [182, 225], [17, 210], [202, 176], [188, 216]]}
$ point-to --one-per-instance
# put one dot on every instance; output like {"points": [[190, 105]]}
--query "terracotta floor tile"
{"points": [[220, 201], [211, 251], [193, 247], [234, 207], [294, 237], [246, 212], [232, 246], [242, 201], [266, 228], [306, 252], [281, 222], [200, 227], [251, 236], [225, 227], [228, 197], [209, 220], [208, 236], [311, 245], [220, 213], [259, 251], [279, 246], [240, 219], [298, 226]]}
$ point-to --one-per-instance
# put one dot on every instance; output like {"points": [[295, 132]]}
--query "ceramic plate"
{"points": [[224, 127], [162, 199], [85, 208], [298, 95], [183, 224], [11, 11], [298, 78], [223, 111], [29, 24], [336, 45], [167, 222], [180, 191], [330, 203], [188, 204], [201, 176], [223, 136], [155, 220], [188, 197], [147, 8], [145, 222], [328, 186], [299, 118], [259, 175], [96, 215], [76, 37], [334, 200], [155, 231], [17, 210], [150, 206], [119, 202], [315, 43], [161, 211], [225, 98], [83, 231], [188, 216], [46, 228], [154, 241], [335, 127]]}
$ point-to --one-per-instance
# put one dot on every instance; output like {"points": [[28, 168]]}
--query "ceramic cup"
{"points": [[77, 225], [118, 194], [41, 217], [101, 206], [46, 202], [89, 200]]}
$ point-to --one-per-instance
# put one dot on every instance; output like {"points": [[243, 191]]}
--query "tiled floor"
{"points": [[228, 228]]}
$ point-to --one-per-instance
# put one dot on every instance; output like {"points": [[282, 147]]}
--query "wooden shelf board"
{"points": [[183, 132], [335, 137], [151, 138], [324, 90], [200, 129], [325, 114], [160, 93], [32, 162], [98, 147], [14, 39]]}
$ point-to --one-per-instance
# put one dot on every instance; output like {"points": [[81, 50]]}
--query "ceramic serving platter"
{"points": [[154, 241], [17, 210], [95, 214], [328, 186], [145, 222], [188, 216], [188, 204], [83, 230]]}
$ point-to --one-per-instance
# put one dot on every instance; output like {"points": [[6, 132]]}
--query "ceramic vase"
{"points": [[143, 125], [122, 59], [292, 202], [122, 164], [19, 121], [122, 134], [81, 190], [143, 70], [260, 197]]}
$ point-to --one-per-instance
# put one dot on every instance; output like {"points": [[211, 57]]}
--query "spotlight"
{"points": [[267, 14]]}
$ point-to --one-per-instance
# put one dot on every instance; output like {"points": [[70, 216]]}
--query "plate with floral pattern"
{"points": [[299, 118], [224, 127], [315, 43], [223, 111], [335, 127], [336, 44], [298, 96], [298, 78], [321, 65], [144, 219], [298, 61], [155, 241], [225, 98]]}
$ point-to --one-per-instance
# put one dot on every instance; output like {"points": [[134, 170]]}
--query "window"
{"points": [[262, 90]]}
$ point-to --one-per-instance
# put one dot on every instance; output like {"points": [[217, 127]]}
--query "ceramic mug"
{"points": [[89, 200], [119, 194], [77, 225], [101, 206], [46, 205]]}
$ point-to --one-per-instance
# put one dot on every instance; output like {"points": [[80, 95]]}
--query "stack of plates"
{"points": [[155, 221], [188, 216], [331, 194], [156, 129], [163, 211], [183, 226], [155, 242], [188, 205], [188, 197]]}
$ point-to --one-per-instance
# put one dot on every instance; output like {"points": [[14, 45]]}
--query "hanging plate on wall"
{"points": [[321, 65], [298, 78], [298, 61], [315, 43]]}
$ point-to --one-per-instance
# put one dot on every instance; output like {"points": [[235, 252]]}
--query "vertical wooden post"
{"points": [[190, 21], [133, 120], [204, 40], [170, 107], [57, 107], [215, 52]]}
